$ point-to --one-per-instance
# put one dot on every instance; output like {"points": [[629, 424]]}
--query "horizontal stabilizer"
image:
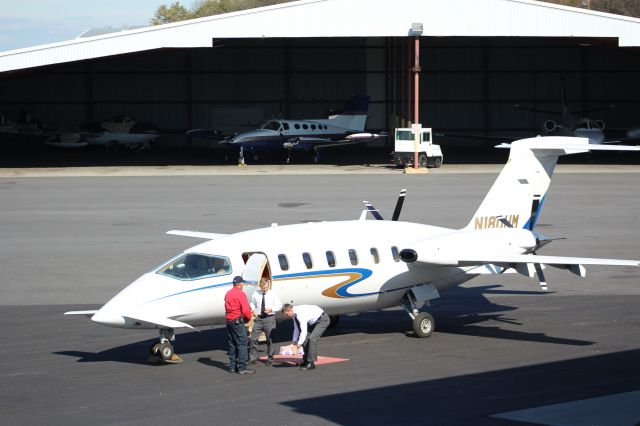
{"points": [[568, 145], [196, 234], [87, 314], [159, 321]]}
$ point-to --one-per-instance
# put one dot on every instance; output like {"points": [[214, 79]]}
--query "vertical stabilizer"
{"points": [[354, 115], [518, 193]]}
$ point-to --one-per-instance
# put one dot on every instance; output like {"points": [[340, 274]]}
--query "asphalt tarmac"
{"points": [[501, 345]]}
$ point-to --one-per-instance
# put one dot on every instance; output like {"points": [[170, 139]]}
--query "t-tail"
{"points": [[353, 117], [517, 195]]}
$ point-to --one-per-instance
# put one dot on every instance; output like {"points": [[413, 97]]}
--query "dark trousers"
{"points": [[238, 356], [268, 325], [310, 345]]}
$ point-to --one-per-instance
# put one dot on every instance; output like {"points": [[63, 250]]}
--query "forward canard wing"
{"points": [[87, 314], [196, 234], [159, 321]]}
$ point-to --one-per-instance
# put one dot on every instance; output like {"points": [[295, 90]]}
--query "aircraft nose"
{"points": [[109, 318]]}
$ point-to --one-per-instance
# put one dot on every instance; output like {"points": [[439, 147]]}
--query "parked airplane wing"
{"points": [[560, 261], [160, 321], [196, 234]]}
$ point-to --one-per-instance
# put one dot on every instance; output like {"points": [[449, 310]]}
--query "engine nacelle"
{"points": [[550, 126], [448, 249]]}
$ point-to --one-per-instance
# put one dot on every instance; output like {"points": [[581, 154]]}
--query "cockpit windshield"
{"points": [[272, 125], [194, 266]]}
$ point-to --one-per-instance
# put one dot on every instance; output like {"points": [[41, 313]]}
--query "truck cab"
{"points": [[429, 154]]}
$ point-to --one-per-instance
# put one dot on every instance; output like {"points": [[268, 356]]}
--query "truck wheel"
{"points": [[422, 160], [438, 162]]}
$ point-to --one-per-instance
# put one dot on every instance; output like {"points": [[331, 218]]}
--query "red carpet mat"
{"points": [[298, 359]]}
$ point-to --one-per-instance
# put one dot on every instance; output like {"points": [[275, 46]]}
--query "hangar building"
{"points": [[299, 59]]}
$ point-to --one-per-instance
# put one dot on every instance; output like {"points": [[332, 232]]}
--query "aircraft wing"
{"points": [[158, 320], [196, 234], [352, 139], [321, 143], [206, 134], [560, 261]]}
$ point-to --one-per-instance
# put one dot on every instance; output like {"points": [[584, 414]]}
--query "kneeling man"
{"points": [[309, 323]]}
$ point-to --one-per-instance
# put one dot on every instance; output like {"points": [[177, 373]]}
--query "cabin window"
{"points": [[353, 257], [374, 255], [284, 263], [285, 126], [194, 266], [304, 126], [331, 259], [297, 126], [313, 127], [306, 257], [394, 253]]}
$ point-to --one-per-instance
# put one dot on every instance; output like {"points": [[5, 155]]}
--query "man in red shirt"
{"points": [[238, 312]]}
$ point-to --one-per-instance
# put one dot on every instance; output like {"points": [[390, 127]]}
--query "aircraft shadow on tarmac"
{"points": [[460, 311], [471, 399]]}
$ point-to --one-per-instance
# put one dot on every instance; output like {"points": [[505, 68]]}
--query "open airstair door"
{"points": [[256, 267]]}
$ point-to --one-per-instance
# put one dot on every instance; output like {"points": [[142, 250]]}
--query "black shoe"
{"points": [[247, 371], [269, 361], [308, 366]]}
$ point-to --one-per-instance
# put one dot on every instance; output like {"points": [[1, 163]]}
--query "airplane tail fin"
{"points": [[517, 195], [354, 115]]}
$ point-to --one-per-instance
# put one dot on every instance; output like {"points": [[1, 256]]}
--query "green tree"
{"points": [[203, 8], [619, 7], [174, 13]]}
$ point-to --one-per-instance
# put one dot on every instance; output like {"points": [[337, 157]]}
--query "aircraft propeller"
{"points": [[541, 240], [396, 212]]}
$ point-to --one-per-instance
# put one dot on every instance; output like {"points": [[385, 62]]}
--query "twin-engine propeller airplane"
{"points": [[359, 265], [310, 134]]}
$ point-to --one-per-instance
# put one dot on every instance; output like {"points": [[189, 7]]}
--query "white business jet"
{"points": [[359, 265]]}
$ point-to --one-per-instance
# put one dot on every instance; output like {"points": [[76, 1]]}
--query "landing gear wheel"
{"points": [[333, 321], [166, 351], [423, 324]]}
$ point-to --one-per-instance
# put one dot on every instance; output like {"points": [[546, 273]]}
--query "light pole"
{"points": [[416, 32]]}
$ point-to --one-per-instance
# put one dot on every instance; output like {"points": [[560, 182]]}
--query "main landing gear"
{"points": [[163, 350], [423, 322]]}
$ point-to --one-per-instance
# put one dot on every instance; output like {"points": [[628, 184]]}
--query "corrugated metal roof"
{"points": [[345, 18]]}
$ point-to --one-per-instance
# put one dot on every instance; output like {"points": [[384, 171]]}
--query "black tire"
{"points": [[438, 162], [333, 321], [154, 349], [423, 324], [166, 351], [422, 160]]}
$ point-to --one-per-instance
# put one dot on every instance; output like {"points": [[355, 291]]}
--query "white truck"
{"points": [[429, 154]]}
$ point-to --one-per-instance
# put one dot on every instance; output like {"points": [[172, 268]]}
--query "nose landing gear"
{"points": [[163, 350]]}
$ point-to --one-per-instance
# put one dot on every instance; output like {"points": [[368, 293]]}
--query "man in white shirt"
{"points": [[309, 324], [264, 304]]}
